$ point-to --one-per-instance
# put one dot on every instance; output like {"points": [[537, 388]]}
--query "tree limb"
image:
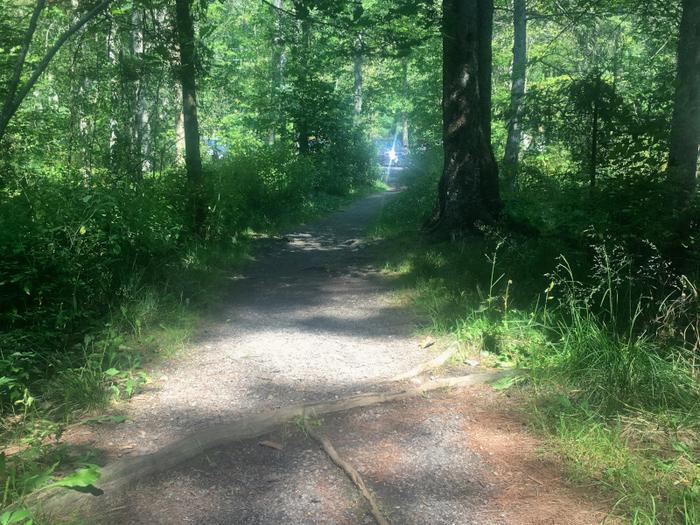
{"points": [[19, 65], [13, 101]]}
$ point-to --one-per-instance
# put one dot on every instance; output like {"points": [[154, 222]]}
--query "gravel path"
{"points": [[313, 320], [310, 320]]}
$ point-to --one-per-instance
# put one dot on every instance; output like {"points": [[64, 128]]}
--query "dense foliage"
{"points": [[112, 224]]}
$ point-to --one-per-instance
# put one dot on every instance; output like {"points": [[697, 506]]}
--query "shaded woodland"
{"points": [[145, 144]]}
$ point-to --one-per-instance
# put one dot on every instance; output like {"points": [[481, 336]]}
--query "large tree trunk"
{"points": [[685, 127], [193, 160], [517, 89], [468, 191]]}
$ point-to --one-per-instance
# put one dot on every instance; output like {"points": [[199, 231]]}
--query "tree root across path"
{"points": [[128, 471], [434, 363], [353, 474]]}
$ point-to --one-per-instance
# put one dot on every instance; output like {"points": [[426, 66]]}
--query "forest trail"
{"points": [[314, 320]]}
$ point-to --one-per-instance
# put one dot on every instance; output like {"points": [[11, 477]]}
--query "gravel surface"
{"points": [[310, 320], [313, 320], [456, 458], [248, 484]]}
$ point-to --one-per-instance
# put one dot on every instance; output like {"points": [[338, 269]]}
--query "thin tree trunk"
{"points": [[404, 114], [140, 131], [404, 131], [193, 160], [357, 62], [517, 90], [277, 64], [180, 136], [13, 84], [685, 126], [301, 10], [112, 57], [357, 70], [485, 60], [468, 191], [593, 169]]}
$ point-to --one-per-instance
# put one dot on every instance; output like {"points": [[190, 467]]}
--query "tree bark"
{"points": [[517, 89], [140, 127], [357, 62], [16, 94], [404, 113], [193, 159], [301, 10], [468, 193], [685, 126], [277, 66], [485, 59]]}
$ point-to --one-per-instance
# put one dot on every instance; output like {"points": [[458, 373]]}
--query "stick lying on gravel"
{"points": [[353, 474], [436, 362], [129, 470]]}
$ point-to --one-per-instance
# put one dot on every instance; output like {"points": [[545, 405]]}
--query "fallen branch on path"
{"points": [[127, 471], [436, 362], [353, 474]]}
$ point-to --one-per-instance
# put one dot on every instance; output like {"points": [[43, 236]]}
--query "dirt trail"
{"points": [[312, 319]]}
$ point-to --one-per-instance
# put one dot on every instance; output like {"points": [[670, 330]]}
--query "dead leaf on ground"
{"points": [[426, 342], [270, 444]]}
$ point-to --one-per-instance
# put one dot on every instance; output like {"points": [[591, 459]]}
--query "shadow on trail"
{"points": [[310, 320], [412, 454]]}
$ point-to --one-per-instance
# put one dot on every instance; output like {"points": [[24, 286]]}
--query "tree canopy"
{"points": [[142, 142]]}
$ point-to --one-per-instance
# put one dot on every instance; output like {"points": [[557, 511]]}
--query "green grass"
{"points": [[606, 335], [648, 462], [151, 322]]}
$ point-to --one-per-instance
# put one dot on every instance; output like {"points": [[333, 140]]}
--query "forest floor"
{"points": [[314, 319]]}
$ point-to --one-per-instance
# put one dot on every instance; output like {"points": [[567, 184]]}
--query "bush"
{"points": [[76, 248]]}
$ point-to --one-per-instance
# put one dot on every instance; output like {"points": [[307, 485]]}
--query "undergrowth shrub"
{"points": [[87, 258], [600, 305]]}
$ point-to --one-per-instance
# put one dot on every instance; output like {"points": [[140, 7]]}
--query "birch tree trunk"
{"points": [[301, 10], [357, 63], [277, 66], [517, 90]]}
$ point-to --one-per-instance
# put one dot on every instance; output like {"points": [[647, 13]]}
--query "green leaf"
{"points": [[83, 477], [111, 372], [504, 383], [15, 516], [39, 480]]}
